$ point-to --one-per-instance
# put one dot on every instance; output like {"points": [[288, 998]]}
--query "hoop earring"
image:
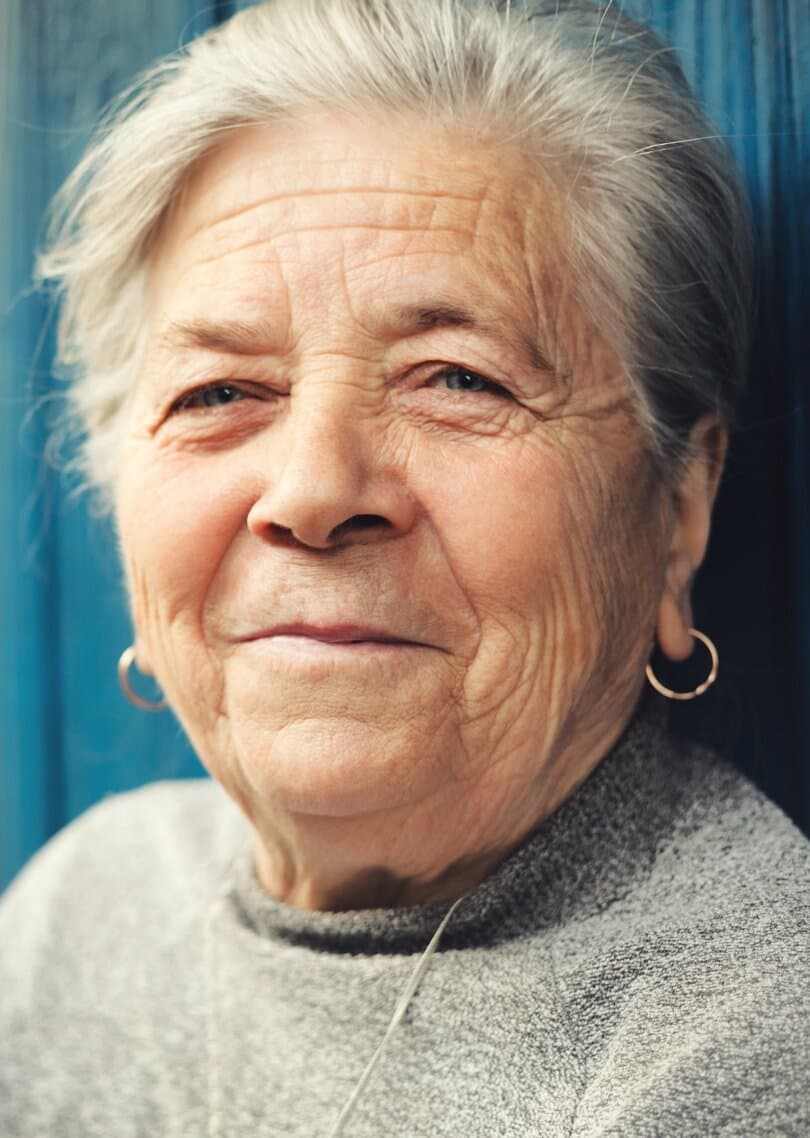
{"points": [[701, 688], [124, 664]]}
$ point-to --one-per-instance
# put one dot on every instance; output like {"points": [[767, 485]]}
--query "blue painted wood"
{"points": [[749, 62], [66, 735]]}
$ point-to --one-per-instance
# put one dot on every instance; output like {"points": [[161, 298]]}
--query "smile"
{"points": [[345, 640]]}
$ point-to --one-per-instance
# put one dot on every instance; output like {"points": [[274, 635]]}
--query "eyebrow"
{"points": [[407, 319], [235, 337], [238, 337]]}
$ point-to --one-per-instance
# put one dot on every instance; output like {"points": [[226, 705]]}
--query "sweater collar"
{"points": [[586, 855]]}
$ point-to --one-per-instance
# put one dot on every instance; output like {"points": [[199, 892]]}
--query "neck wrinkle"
{"points": [[578, 857]]}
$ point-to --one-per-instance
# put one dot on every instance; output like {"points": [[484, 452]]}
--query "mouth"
{"points": [[340, 634]]}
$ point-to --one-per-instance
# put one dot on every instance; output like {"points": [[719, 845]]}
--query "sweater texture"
{"points": [[637, 969]]}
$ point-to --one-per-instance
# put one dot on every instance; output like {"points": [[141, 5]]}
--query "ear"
{"points": [[142, 661], [692, 502]]}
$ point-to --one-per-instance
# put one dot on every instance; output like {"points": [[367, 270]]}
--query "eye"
{"points": [[212, 395], [462, 379]]}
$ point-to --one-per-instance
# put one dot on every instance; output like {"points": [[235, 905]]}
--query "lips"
{"points": [[334, 634]]}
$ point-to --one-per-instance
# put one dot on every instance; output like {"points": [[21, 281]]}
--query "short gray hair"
{"points": [[658, 223]]}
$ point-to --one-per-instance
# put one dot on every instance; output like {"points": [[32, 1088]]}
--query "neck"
{"points": [[344, 886], [418, 854]]}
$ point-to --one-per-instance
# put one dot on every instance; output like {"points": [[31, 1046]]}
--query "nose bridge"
{"points": [[323, 433], [326, 467]]}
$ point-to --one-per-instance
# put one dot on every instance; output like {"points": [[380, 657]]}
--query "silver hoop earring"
{"points": [[124, 664], [701, 688]]}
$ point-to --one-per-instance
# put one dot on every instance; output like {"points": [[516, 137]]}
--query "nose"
{"points": [[327, 483]]}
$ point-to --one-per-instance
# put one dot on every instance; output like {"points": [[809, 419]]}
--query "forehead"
{"points": [[369, 209]]}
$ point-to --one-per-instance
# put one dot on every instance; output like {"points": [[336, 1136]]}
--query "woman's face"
{"points": [[393, 547]]}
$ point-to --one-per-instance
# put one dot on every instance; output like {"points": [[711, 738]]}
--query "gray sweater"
{"points": [[638, 968]]}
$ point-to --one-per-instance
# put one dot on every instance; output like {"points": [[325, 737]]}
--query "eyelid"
{"points": [[245, 388], [502, 387], [263, 392]]}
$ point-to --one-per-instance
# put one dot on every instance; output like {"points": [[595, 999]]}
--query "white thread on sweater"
{"points": [[215, 1110], [399, 1011]]}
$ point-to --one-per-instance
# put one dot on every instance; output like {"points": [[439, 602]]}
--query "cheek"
{"points": [[176, 518], [540, 540], [504, 520]]}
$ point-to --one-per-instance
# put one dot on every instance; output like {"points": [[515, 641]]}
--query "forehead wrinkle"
{"points": [[294, 196], [347, 229], [487, 203]]}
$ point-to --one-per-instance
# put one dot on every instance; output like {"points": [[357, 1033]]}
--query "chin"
{"points": [[338, 770]]}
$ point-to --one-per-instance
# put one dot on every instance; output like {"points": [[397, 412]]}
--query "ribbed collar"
{"points": [[589, 853]]}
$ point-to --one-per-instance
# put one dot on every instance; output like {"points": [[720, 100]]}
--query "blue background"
{"points": [[67, 737]]}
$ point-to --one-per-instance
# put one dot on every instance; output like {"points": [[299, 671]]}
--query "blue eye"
{"points": [[462, 379], [214, 395]]}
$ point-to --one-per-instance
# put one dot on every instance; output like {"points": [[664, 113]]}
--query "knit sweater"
{"points": [[638, 968]]}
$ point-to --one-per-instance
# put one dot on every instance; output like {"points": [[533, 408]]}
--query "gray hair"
{"points": [[658, 235]]}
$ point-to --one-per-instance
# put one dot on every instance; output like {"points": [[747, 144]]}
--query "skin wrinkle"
{"points": [[509, 529], [546, 281], [162, 336], [363, 192], [367, 228], [414, 207]]}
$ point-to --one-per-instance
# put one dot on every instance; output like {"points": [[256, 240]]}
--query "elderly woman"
{"points": [[406, 337]]}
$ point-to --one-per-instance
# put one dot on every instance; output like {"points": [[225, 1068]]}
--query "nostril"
{"points": [[358, 522], [287, 536], [281, 535]]}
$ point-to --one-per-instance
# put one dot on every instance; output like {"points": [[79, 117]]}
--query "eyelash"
{"points": [[194, 400], [186, 402], [489, 385]]}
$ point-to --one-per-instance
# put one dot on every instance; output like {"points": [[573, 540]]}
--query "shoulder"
{"points": [[728, 881], [163, 848], [100, 957], [730, 849], [169, 820], [690, 995]]}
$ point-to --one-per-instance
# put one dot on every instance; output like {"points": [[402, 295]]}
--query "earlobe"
{"points": [[673, 624], [142, 661]]}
